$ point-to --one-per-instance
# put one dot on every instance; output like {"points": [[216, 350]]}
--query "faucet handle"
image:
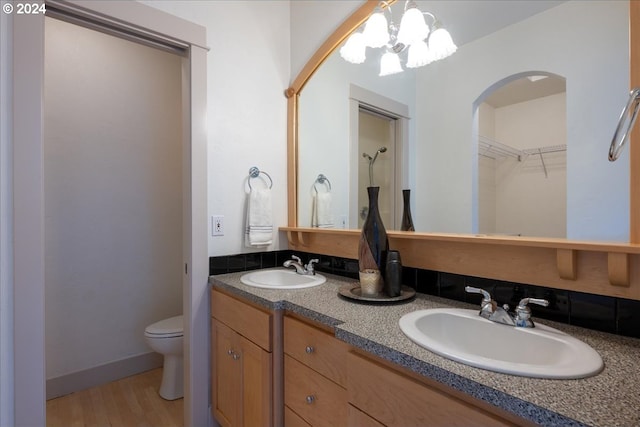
{"points": [[523, 312], [309, 266], [486, 296], [487, 305], [526, 301], [296, 258]]}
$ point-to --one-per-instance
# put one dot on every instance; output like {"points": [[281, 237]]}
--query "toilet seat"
{"points": [[167, 328]]}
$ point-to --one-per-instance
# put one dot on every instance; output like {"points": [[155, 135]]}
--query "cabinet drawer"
{"points": [[248, 321], [317, 349], [319, 401], [397, 400]]}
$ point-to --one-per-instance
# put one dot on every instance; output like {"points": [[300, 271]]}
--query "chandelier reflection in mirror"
{"points": [[422, 44]]}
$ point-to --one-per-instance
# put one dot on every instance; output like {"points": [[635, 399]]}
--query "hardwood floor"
{"points": [[130, 402]]}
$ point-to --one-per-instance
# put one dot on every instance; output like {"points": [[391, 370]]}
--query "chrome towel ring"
{"points": [[321, 179], [254, 172], [628, 118]]}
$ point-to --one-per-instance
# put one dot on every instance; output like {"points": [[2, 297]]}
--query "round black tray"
{"points": [[353, 292]]}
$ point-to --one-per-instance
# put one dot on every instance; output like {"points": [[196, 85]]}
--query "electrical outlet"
{"points": [[217, 225]]}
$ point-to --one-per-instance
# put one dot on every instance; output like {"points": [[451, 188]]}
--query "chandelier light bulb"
{"points": [[413, 27], [441, 44], [390, 64], [354, 49], [421, 43], [419, 55], [376, 32]]}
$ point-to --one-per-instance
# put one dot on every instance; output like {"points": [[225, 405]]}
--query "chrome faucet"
{"points": [[296, 262], [521, 318]]}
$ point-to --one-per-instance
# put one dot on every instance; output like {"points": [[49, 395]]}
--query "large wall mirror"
{"points": [[444, 127]]}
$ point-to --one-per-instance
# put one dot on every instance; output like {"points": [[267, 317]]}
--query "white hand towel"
{"points": [[321, 216], [259, 231]]}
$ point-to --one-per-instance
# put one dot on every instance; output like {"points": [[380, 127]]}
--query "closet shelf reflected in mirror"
{"points": [[493, 149]]}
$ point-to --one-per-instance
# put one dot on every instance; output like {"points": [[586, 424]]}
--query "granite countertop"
{"points": [[611, 398]]}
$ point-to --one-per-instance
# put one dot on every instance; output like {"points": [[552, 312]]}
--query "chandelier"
{"points": [[422, 43]]}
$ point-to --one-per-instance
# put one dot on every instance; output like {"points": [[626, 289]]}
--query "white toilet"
{"points": [[165, 337]]}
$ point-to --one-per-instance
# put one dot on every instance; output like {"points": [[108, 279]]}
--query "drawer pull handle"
{"points": [[230, 352], [309, 349], [236, 356], [310, 399]]}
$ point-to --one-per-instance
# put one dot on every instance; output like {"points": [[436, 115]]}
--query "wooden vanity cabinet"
{"points": [[242, 363], [382, 396], [315, 376], [320, 380]]}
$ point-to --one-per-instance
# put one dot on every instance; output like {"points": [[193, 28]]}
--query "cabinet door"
{"points": [[226, 372], [242, 364], [256, 384]]}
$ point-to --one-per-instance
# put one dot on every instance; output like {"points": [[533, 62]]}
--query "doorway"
{"points": [[378, 153], [28, 199], [376, 168], [522, 157], [113, 203]]}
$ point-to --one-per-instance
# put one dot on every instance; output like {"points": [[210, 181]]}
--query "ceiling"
{"points": [[468, 20]]}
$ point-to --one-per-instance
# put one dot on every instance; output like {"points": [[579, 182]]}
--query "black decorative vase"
{"points": [[374, 244], [407, 222]]}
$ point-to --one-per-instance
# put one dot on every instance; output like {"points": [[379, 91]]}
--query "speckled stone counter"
{"points": [[611, 398]]}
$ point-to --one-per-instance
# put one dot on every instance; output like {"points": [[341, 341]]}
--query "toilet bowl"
{"points": [[165, 337]]}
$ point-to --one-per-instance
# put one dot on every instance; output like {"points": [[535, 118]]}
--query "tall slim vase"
{"points": [[407, 221], [374, 244]]}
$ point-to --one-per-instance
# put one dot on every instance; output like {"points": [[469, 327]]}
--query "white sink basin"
{"points": [[281, 279], [464, 336]]}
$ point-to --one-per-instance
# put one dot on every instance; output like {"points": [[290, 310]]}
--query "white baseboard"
{"points": [[82, 380]]}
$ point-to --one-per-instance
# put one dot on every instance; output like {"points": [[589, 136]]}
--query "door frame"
{"points": [[388, 107], [28, 201]]}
